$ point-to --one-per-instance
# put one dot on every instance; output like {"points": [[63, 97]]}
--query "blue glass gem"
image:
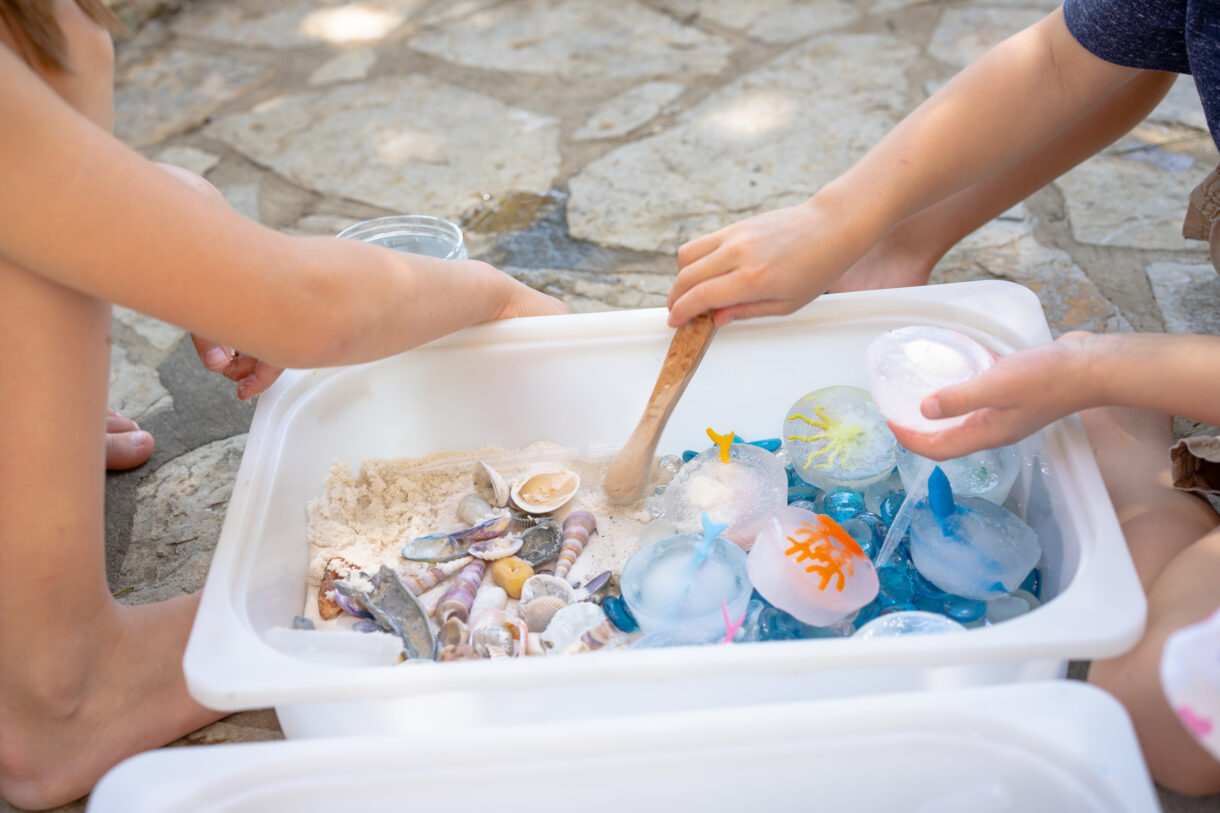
{"points": [[897, 608], [963, 610], [869, 611], [805, 504], [794, 479], [619, 614], [1033, 583], [842, 503], [890, 506], [896, 584], [689, 455], [770, 444], [929, 604], [803, 492]]}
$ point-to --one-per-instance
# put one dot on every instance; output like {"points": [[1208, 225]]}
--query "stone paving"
{"points": [[580, 142]]}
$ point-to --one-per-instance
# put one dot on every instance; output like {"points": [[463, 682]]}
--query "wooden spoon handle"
{"points": [[628, 473]]}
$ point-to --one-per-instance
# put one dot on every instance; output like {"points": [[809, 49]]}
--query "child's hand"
{"points": [[252, 375], [769, 264], [523, 300], [1016, 397]]}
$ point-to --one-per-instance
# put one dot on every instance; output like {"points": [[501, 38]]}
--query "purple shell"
{"points": [[349, 606]]}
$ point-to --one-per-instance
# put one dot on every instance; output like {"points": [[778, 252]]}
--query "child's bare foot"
{"points": [[68, 716], [127, 445]]}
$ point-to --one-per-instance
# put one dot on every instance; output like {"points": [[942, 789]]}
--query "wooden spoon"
{"points": [[628, 473]]}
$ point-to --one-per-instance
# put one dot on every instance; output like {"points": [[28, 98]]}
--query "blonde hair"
{"points": [[33, 23]]}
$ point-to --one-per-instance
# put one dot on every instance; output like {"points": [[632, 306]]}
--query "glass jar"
{"points": [[414, 234]]}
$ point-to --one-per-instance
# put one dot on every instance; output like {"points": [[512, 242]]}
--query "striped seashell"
{"points": [[456, 601], [453, 632], [577, 527], [539, 612], [599, 636], [424, 580]]}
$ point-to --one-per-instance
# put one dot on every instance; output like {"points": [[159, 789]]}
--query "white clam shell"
{"points": [[543, 585], [543, 490], [490, 485]]}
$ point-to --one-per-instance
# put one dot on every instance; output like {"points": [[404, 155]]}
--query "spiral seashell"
{"points": [[496, 633], [539, 612], [421, 582], [577, 527], [453, 632], [456, 601], [599, 636]]}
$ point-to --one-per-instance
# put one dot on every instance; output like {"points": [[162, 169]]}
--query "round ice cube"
{"points": [[908, 364], [668, 586], [988, 474], [808, 566], [968, 546], [906, 622], [738, 493], [836, 437]]}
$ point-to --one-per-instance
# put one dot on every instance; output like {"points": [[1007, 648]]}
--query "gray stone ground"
{"points": [[580, 142]]}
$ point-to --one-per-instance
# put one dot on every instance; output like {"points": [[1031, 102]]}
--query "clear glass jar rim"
{"points": [[392, 225]]}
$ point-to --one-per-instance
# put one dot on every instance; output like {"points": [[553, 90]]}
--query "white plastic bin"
{"points": [[1046, 746], [582, 381]]}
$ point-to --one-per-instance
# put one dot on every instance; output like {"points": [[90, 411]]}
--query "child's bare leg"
{"points": [[1175, 545], [85, 681]]}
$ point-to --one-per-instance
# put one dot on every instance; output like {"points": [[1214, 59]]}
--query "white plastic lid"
{"points": [[1055, 745]]}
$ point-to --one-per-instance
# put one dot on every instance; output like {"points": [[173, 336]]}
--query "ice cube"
{"points": [[908, 364], [989, 473], [835, 437], [808, 566], [907, 622], [969, 546], [738, 493]]}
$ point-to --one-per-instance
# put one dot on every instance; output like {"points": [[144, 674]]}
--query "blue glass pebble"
{"points": [[1033, 583], [868, 612], [759, 597], [770, 444], [806, 504], [929, 604], [890, 506], [842, 503], [794, 479], [963, 610], [803, 492], [619, 614], [897, 608], [689, 455], [895, 584]]}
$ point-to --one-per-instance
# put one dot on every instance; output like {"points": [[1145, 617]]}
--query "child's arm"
{"points": [[1025, 391], [1011, 102], [81, 210], [907, 253]]}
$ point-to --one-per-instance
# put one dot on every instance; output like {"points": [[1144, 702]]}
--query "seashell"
{"points": [[420, 583], [510, 573], [543, 490], [539, 612], [540, 543], [453, 632], [569, 624], [490, 485], [395, 608], [458, 652], [540, 585], [472, 509], [489, 597], [456, 601], [496, 633], [598, 587], [336, 568], [600, 635], [498, 548], [446, 547], [577, 527], [533, 644], [524, 519]]}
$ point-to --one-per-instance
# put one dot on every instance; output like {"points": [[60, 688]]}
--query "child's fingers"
{"points": [[262, 377], [705, 268], [240, 367], [214, 356], [749, 310], [692, 250]]}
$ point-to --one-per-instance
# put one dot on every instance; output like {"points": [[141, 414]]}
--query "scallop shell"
{"points": [[498, 548], [541, 491], [543, 585], [539, 612], [490, 485]]}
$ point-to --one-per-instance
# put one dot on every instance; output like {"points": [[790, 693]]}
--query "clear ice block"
{"points": [[989, 473], [907, 622], [738, 493], [679, 582], [910, 363], [968, 546], [808, 566], [835, 437]]}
